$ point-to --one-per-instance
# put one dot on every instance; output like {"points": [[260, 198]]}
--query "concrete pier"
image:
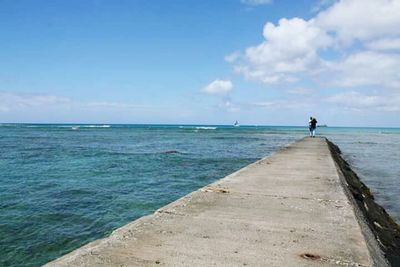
{"points": [[288, 209]]}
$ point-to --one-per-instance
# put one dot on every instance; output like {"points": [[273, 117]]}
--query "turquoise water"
{"points": [[62, 186]]}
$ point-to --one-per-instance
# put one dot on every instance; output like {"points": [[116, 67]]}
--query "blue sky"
{"points": [[206, 62]]}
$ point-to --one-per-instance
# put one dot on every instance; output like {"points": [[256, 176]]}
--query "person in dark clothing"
{"points": [[312, 123]]}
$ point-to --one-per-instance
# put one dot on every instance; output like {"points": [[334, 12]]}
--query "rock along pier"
{"points": [[293, 208]]}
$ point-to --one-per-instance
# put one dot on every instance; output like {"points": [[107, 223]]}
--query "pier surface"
{"points": [[288, 209]]}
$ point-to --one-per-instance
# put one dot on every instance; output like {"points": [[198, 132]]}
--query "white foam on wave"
{"points": [[206, 128], [198, 127], [74, 127], [96, 126]]}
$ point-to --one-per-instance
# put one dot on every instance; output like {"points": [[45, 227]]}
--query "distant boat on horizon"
{"points": [[236, 124], [323, 125]]}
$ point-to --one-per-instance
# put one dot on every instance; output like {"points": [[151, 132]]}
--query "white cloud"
{"points": [[367, 68], [361, 19], [301, 91], [10, 101], [256, 2], [351, 43], [284, 104], [358, 101], [384, 44], [289, 48], [232, 57], [218, 87], [118, 105], [229, 106]]}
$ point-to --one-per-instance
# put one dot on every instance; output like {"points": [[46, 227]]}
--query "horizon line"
{"points": [[194, 124]]}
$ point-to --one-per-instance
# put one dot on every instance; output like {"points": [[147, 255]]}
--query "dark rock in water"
{"points": [[171, 152], [385, 230]]}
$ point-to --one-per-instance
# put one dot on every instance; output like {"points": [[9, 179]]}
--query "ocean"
{"points": [[63, 185]]}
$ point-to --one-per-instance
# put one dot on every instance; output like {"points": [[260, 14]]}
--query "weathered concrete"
{"points": [[288, 209]]}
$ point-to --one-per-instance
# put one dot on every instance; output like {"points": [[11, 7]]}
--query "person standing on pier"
{"points": [[312, 124]]}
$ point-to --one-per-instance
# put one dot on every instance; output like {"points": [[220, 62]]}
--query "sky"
{"points": [[260, 62]]}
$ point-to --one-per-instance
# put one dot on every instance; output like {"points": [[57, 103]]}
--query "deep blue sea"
{"points": [[62, 186]]}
